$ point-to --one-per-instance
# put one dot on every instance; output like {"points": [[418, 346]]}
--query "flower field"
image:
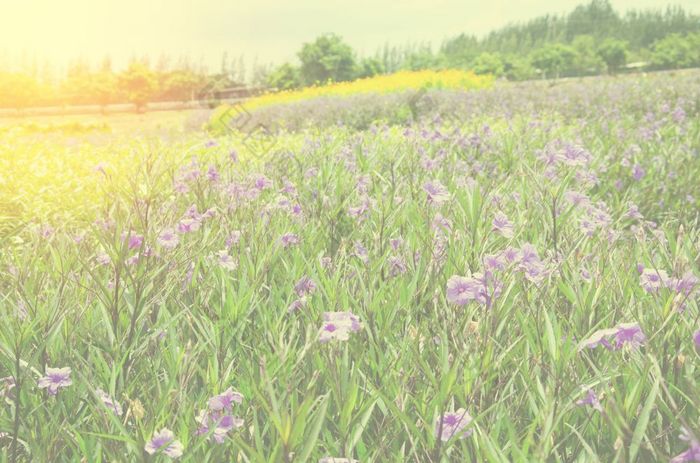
{"points": [[500, 274], [389, 83]]}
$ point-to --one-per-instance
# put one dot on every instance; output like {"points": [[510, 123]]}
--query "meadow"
{"points": [[499, 274]]}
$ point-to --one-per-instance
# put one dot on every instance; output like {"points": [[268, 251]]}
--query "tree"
{"points": [[673, 51], [552, 59], [613, 52], [103, 89], [17, 91], [587, 61], [369, 67], [488, 63], [419, 58], [181, 85], [597, 18], [516, 67], [285, 77], [139, 84], [328, 58]]}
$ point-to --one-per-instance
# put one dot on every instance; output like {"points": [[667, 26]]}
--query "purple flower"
{"points": [[164, 441], [215, 417], [305, 286], [168, 238], [615, 338], [453, 424], [217, 422], [684, 285], [638, 172], [590, 399], [109, 402], [396, 243], [633, 212], [361, 252], [55, 378], [693, 452], [577, 198], [696, 338], [651, 280], [289, 239], [225, 400], [502, 225], [262, 182], [189, 224], [461, 290], [397, 266], [213, 174], [437, 193], [225, 260], [135, 241], [338, 326]]}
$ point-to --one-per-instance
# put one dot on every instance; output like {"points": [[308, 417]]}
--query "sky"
{"points": [[266, 31]]}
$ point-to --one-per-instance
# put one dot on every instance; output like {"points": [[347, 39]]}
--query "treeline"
{"points": [[592, 39], [139, 83]]}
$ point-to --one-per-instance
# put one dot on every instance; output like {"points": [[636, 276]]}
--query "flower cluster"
{"points": [[217, 418]]}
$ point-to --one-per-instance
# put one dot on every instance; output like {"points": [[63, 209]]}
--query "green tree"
{"points": [[488, 63], [327, 58], [673, 51], [516, 67], [420, 58], [597, 18], [552, 59], [614, 53], [369, 67], [285, 77], [139, 84], [587, 61]]}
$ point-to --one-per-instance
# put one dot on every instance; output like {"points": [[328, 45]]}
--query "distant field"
{"points": [[119, 123]]}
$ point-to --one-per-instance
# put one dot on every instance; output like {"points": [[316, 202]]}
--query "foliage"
{"points": [[488, 63], [588, 60], [613, 53], [552, 59], [677, 51], [17, 90], [327, 59], [139, 84], [285, 77], [369, 67]]}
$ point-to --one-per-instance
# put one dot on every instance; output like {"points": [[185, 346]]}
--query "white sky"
{"points": [[271, 30]]}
